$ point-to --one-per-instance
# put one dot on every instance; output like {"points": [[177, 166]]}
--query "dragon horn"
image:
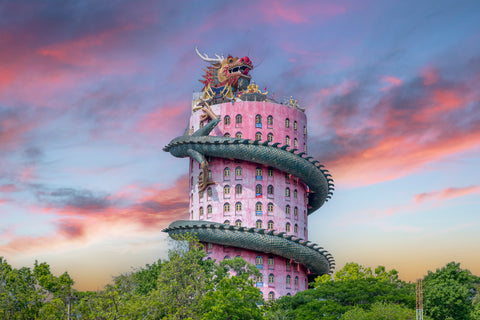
{"points": [[207, 59]]}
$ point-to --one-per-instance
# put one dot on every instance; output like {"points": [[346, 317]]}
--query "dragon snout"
{"points": [[246, 60]]}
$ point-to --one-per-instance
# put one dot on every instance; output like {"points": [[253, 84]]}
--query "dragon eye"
{"points": [[230, 61]]}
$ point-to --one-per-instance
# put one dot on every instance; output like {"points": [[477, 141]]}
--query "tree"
{"points": [[381, 311], [448, 292]]}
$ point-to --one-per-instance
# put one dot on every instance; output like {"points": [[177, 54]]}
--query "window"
{"points": [[238, 172], [270, 190], [270, 224], [287, 177], [304, 147], [209, 245], [288, 293], [209, 174], [288, 280], [287, 210], [260, 279], [226, 172], [258, 121], [287, 192], [287, 140], [238, 223], [270, 137], [226, 135], [238, 206], [304, 131], [201, 211], [209, 192], [226, 258], [209, 209], [226, 120], [259, 260], [258, 136], [287, 123], [226, 222], [295, 143], [226, 207], [238, 119], [271, 278], [258, 190], [258, 207], [294, 125], [270, 207], [287, 227], [271, 295], [288, 264], [258, 224], [226, 190], [238, 189], [200, 194], [270, 120], [258, 173], [295, 228], [295, 213], [295, 192], [271, 261], [296, 281], [270, 172], [238, 135], [191, 181]]}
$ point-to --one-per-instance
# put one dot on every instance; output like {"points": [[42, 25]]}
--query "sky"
{"points": [[91, 91]]}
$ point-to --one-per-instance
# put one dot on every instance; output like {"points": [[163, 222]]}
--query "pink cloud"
{"points": [[390, 82], [448, 193], [430, 76]]}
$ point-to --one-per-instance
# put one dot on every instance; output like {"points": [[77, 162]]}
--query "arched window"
{"points": [[238, 119], [209, 192], [238, 135], [271, 295], [296, 281], [260, 278], [258, 224], [259, 260], [238, 223], [294, 125], [287, 123], [238, 189], [238, 172], [270, 172], [201, 211], [209, 174], [258, 207], [295, 228], [258, 136], [191, 181], [304, 147], [288, 293], [226, 135], [288, 264], [295, 192], [270, 120], [258, 173], [226, 172], [200, 194], [304, 131], [270, 137], [287, 192], [258, 190], [288, 280], [226, 258], [270, 207], [226, 222], [287, 140], [271, 261], [295, 143], [209, 209], [238, 206], [258, 121], [226, 207], [287, 209], [226, 190], [209, 245], [226, 120], [295, 213], [270, 224], [271, 278], [287, 227], [270, 189]]}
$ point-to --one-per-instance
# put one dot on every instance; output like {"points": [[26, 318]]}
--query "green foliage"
{"points": [[380, 311], [448, 293]]}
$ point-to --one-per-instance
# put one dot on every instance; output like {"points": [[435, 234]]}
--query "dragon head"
{"points": [[232, 71]]}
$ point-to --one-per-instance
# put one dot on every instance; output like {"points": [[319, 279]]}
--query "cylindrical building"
{"points": [[259, 191]]}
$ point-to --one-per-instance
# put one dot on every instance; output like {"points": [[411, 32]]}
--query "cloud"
{"points": [[448, 193]]}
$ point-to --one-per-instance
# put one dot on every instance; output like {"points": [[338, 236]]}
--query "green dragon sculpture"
{"points": [[200, 144]]}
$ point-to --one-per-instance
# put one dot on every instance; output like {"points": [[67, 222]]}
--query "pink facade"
{"points": [[251, 195]]}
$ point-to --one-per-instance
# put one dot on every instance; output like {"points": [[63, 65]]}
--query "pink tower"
{"points": [[252, 186]]}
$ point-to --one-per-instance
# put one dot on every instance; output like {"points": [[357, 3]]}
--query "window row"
{"points": [[259, 137], [258, 122], [271, 279]]}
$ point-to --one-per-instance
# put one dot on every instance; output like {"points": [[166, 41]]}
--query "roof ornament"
{"points": [[206, 58]]}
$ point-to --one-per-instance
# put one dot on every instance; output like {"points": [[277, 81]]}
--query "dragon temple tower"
{"points": [[252, 186]]}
